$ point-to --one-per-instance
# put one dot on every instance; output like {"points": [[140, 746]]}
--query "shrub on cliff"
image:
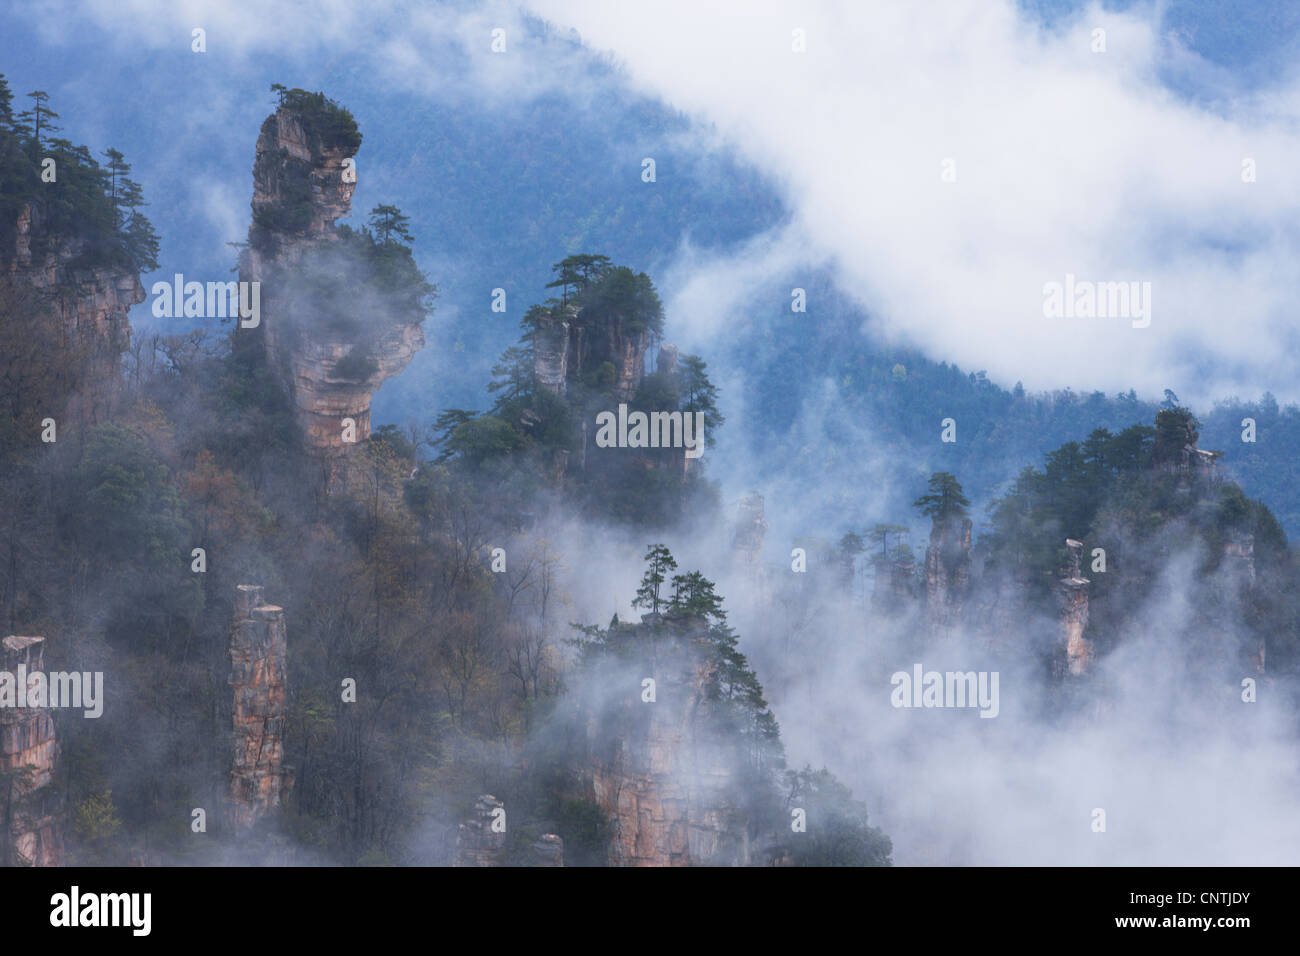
{"points": [[322, 117]]}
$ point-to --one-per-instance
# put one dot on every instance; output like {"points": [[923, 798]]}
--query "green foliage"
{"points": [[945, 500], [585, 829], [1176, 427], [126, 508], [88, 210], [481, 439], [322, 117], [578, 272], [838, 831], [292, 211], [391, 437], [659, 561], [605, 305], [617, 294], [389, 225], [699, 394]]}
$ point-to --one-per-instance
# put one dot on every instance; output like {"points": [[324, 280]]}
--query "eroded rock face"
{"points": [[664, 782], [295, 170], [258, 779], [90, 306], [551, 355], [566, 346], [947, 574], [1072, 591], [31, 813], [548, 850], [477, 843]]}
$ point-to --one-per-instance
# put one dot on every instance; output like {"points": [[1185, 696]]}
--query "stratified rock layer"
{"points": [[258, 779], [88, 306], [304, 355], [1072, 591], [663, 778], [32, 820]]}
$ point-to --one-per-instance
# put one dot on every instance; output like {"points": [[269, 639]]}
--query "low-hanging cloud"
{"points": [[1067, 162]]}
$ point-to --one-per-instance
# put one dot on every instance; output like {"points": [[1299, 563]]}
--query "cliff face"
{"points": [[32, 823], [296, 171], [87, 307], [665, 782], [567, 345], [258, 779], [947, 574]]}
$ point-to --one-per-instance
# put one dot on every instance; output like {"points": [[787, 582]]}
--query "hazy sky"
{"points": [[1122, 165], [1117, 166]]}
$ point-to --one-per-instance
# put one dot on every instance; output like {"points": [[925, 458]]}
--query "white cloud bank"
{"points": [[1067, 161]]}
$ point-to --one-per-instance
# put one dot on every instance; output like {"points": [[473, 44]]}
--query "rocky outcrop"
{"points": [[31, 813], [478, 843], [551, 351], [947, 574], [1072, 592], [330, 374], [85, 308], [481, 840], [258, 779], [662, 775], [1174, 451], [548, 850], [568, 344]]}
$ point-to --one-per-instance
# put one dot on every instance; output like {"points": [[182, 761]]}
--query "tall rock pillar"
{"points": [[258, 778], [1072, 591], [947, 574], [31, 814]]}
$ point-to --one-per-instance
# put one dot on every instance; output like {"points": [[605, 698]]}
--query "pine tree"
{"points": [[6, 105], [659, 562], [945, 500], [39, 116], [390, 225], [699, 394]]}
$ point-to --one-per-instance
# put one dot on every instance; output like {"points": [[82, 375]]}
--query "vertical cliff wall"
{"points": [[82, 311], [330, 369], [1072, 594], [258, 778], [947, 574], [568, 343], [663, 775], [32, 824]]}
